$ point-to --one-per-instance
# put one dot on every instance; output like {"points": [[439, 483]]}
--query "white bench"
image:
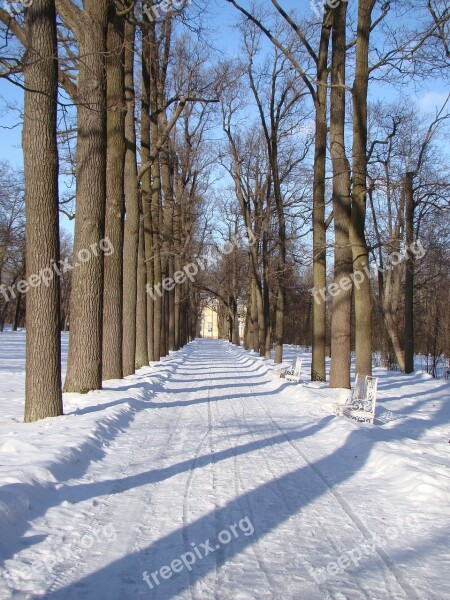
{"points": [[291, 373], [361, 405]]}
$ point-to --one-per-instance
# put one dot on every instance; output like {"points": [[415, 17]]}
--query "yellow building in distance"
{"points": [[210, 323]]}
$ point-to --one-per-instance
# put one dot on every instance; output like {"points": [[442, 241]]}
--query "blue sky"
{"points": [[219, 16]]}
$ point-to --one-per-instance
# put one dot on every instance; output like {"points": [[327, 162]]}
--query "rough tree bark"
{"points": [[84, 365], [143, 299], [360, 252], [114, 218], [342, 300], [281, 269], [146, 191], [131, 233], [409, 273], [168, 231], [154, 95], [254, 315], [177, 262], [318, 372], [43, 396]]}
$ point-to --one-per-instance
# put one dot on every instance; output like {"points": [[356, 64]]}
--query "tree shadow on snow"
{"points": [[290, 493]]}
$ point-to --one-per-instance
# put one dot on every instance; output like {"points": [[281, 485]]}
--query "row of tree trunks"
{"points": [[134, 213], [354, 196], [164, 195]]}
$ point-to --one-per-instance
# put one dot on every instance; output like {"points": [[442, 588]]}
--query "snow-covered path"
{"points": [[221, 488]]}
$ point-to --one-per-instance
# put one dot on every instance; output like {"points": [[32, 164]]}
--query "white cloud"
{"points": [[432, 100]]}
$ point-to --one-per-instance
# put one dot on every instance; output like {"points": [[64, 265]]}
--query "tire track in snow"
{"points": [[141, 539], [240, 487], [107, 511], [187, 492], [219, 525], [321, 521], [186, 497], [263, 450], [217, 578], [390, 566], [64, 576], [141, 499]]}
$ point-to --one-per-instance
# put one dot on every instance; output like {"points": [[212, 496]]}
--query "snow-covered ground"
{"points": [[203, 477]]}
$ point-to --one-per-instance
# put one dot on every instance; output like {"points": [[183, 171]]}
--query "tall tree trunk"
{"points": [[3, 314], [319, 230], [254, 317], [183, 330], [265, 282], [279, 322], [235, 283], [167, 187], [262, 322], [131, 233], [143, 299], [177, 264], [247, 329], [281, 270], [15, 324], [146, 185], [158, 305], [43, 397], [360, 252], [157, 267], [342, 301], [84, 365], [409, 274], [389, 284], [114, 221]]}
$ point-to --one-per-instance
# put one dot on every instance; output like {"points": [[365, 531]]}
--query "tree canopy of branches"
{"points": [[270, 184]]}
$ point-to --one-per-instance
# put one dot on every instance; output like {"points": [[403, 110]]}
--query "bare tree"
{"points": [[317, 84], [12, 239]]}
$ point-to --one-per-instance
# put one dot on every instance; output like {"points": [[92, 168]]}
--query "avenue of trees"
{"points": [[273, 179]]}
